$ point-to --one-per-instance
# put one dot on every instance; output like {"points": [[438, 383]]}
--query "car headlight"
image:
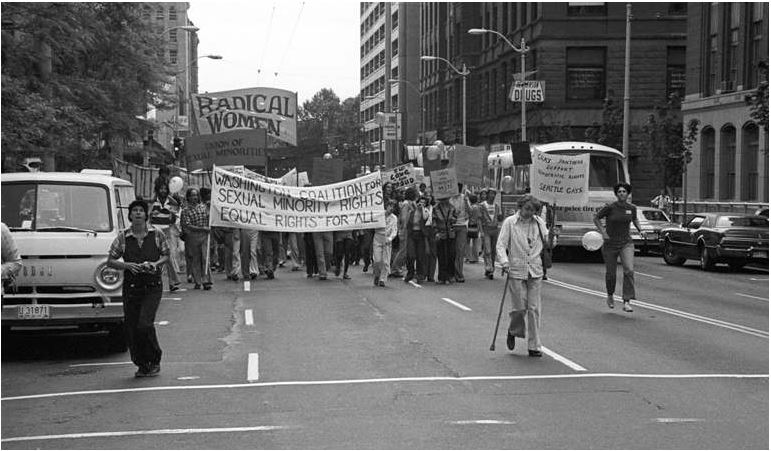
{"points": [[108, 278]]}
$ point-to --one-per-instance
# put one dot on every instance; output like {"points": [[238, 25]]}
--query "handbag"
{"points": [[546, 251]]}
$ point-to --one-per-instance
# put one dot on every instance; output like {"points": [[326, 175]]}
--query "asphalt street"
{"points": [[301, 363]]}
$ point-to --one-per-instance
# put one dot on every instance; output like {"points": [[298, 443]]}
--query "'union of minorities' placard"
{"points": [[561, 180], [245, 203]]}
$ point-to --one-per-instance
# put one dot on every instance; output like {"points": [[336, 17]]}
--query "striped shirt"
{"points": [[164, 213]]}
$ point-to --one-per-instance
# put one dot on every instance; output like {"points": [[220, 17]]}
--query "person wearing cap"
{"points": [[617, 242]]}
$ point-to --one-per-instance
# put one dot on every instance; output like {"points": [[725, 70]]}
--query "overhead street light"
{"points": [[522, 50], [463, 72]]}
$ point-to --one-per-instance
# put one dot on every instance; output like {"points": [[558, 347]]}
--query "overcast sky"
{"points": [[302, 46]]}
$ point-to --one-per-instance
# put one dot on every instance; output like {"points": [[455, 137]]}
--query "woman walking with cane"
{"points": [[523, 236]]}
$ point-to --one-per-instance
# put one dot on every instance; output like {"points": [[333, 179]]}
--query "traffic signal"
{"points": [[178, 144]]}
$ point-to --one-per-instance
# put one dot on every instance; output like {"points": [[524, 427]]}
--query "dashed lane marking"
{"points": [[456, 304], [563, 360], [484, 422], [171, 299], [759, 279], [392, 380], [751, 296], [678, 420], [248, 317], [648, 275], [162, 323], [188, 378], [247, 285], [147, 432], [415, 284], [671, 311], [253, 367]]}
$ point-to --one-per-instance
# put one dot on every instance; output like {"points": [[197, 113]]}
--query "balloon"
{"points": [[327, 156], [175, 184], [507, 185], [591, 241]]}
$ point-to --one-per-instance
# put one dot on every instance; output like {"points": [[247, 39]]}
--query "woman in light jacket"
{"points": [[522, 237]]}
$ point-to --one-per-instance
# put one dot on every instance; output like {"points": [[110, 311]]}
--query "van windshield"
{"points": [[56, 207]]}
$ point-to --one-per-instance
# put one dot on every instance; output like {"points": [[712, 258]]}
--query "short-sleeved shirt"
{"points": [[118, 246], [618, 216]]}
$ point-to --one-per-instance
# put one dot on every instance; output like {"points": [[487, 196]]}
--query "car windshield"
{"points": [[56, 207], [655, 215], [742, 221]]}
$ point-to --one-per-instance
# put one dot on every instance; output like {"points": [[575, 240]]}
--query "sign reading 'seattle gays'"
{"points": [[275, 110]]}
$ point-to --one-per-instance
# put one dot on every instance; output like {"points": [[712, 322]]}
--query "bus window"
{"points": [[521, 179], [604, 172]]}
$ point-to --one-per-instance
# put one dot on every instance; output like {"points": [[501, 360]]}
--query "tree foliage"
{"points": [[758, 100], [668, 141], [610, 131], [75, 75]]}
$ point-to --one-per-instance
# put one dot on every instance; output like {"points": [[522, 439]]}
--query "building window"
{"points": [[708, 163], [677, 9], [756, 44], [514, 17], [159, 15], [494, 91], [713, 50], [145, 13], [727, 162], [395, 20], [173, 35], [172, 13], [506, 25], [750, 152], [676, 71], [394, 47], [733, 48], [504, 91], [533, 11], [577, 9], [585, 73], [395, 72], [173, 56]]}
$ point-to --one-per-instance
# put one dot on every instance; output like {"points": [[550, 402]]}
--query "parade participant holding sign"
{"points": [[416, 249], [463, 208], [381, 246], [195, 225], [144, 251], [444, 219], [618, 242], [523, 236]]}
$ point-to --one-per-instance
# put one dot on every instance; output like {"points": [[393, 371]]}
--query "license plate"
{"points": [[33, 312], [760, 254]]}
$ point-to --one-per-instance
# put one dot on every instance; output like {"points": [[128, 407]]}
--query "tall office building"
{"points": [[389, 77], [727, 44], [576, 49], [180, 53]]}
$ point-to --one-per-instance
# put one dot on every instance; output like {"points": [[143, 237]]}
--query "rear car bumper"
{"points": [[748, 254]]}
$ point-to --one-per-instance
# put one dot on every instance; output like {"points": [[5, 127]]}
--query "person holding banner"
{"points": [[617, 242], [523, 236], [381, 245], [270, 252], [323, 243], [444, 220], [195, 225]]}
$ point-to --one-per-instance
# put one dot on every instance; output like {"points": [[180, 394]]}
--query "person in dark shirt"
{"points": [[143, 251], [618, 242]]}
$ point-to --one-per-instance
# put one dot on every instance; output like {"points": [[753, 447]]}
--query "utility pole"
{"points": [[388, 144], [625, 137]]}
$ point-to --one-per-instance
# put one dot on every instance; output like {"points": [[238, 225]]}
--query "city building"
{"points": [[577, 51], [181, 54], [390, 61], [727, 45]]}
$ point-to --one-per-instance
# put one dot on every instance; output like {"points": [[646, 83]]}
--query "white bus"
{"points": [[608, 166]]}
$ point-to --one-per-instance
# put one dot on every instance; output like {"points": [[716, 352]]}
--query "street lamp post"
{"points": [[422, 109], [522, 50], [463, 72]]}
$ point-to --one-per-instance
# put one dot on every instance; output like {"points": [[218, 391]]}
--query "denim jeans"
{"points": [[461, 239], [416, 255], [323, 243], [140, 304], [611, 255]]}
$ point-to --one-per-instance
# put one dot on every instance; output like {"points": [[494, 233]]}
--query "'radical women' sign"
{"points": [[561, 180], [275, 110], [245, 203]]}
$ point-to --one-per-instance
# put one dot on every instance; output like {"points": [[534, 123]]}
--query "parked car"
{"points": [[652, 221], [63, 224], [732, 238], [763, 211]]}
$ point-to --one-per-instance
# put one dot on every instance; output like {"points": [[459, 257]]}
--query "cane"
{"points": [[500, 312]]}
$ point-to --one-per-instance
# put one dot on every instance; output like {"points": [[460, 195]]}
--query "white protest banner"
{"points": [[444, 183], [470, 164], [400, 176], [561, 180], [274, 110], [246, 203]]}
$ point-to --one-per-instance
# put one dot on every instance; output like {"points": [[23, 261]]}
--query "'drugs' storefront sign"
{"points": [[244, 203], [274, 110]]}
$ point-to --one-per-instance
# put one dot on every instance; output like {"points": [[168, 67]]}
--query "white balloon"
{"points": [[175, 184], [507, 184], [591, 241]]}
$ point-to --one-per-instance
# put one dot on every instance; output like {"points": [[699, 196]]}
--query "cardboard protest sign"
{"points": [[246, 203], [302, 179], [560, 179], [290, 178], [400, 176], [245, 147], [444, 183], [420, 177], [326, 171], [270, 109], [470, 164]]}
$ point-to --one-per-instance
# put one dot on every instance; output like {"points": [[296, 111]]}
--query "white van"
{"points": [[63, 224]]}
